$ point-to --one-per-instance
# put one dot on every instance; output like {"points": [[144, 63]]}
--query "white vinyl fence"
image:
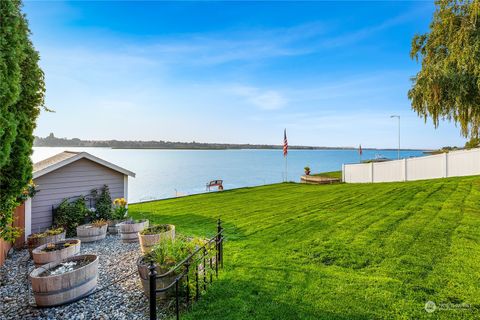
{"points": [[452, 164]]}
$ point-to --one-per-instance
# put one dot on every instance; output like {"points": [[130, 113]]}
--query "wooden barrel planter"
{"points": [[152, 235], [65, 285], [90, 233], [164, 282], [37, 239], [129, 230], [55, 251], [112, 226]]}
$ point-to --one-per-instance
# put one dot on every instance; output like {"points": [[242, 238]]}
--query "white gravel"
{"points": [[123, 300]]}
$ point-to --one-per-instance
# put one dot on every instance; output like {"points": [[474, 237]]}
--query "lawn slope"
{"points": [[347, 251]]}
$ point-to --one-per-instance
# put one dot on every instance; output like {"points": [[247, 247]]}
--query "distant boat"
{"points": [[378, 158]]}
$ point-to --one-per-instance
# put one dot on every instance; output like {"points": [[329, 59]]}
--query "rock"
{"points": [[123, 300]]}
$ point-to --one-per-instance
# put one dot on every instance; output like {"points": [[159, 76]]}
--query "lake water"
{"points": [[167, 173]]}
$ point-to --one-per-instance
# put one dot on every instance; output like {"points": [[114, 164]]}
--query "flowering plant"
{"points": [[120, 208], [29, 191]]}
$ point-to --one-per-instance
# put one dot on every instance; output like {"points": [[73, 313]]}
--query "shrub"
{"points": [[103, 203], [69, 215]]}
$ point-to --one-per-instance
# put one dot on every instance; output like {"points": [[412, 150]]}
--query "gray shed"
{"points": [[70, 174]]}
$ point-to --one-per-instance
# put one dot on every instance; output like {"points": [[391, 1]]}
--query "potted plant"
{"points": [[89, 214], [307, 171], [50, 235], [70, 214], [97, 230], [64, 281], [165, 255], [152, 235], [119, 214], [55, 251], [129, 229]]}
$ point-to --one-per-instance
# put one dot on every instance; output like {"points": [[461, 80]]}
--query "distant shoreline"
{"points": [[52, 141], [301, 148]]}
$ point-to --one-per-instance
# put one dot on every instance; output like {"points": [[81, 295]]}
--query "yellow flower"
{"points": [[120, 202]]}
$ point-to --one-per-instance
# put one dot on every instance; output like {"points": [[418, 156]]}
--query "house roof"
{"points": [[64, 158]]}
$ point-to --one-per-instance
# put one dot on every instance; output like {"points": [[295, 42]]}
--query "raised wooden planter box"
{"points": [[318, 179], [143, 272], [55, 290], [129, 230], [41, 257], [147, 241], [34, 242], [90, 233]]}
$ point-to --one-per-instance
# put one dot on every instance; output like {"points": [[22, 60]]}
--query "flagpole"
{"points": [[285, 153]]}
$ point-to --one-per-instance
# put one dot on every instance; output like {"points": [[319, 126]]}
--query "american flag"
{"points": [[285, 143]]}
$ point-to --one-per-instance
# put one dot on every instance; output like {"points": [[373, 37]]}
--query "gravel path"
{"points": [[123, 300]]}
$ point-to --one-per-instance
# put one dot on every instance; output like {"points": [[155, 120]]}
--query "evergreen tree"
{"points": [[22, 90]]}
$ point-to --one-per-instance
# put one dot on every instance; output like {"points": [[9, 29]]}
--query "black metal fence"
{"points": [[198, 262]]}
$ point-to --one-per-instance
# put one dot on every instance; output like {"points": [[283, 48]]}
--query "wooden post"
{"points": [[153, 291]]}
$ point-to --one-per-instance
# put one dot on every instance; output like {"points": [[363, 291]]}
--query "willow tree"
{"points": [[448, 84], [22, 91]]}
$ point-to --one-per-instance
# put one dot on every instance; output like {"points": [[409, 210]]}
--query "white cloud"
{"points": [[263, 99]]}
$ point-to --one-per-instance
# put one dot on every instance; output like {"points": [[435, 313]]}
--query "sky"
{"points": [[331, 73]]}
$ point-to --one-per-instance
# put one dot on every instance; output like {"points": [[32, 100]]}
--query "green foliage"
{"points": [[448, 84], [156, 229], [7, 232], [69, 215], [47, 233], [103, 203], [72, 214], [28, 192], [340, 251], [120, 209], [22, 89], [474, 142], [167, 253]]}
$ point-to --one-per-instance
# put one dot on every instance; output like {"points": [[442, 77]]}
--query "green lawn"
{"points": [[331, 174], [345, 251]]}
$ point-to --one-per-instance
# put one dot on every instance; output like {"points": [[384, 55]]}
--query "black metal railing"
{"points": [[198, 260]]}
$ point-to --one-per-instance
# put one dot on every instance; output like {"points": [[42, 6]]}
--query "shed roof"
{"points": [[64, 158]]}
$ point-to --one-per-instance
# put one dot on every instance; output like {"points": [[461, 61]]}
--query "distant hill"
{"points": [[52, 141]]}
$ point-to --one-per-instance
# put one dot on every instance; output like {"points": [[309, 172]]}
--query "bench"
{"points": [[215, 183]]}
